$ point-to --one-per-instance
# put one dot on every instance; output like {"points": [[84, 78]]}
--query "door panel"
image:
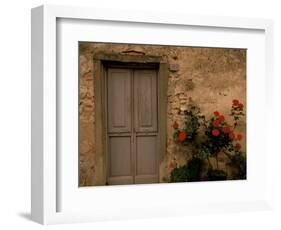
{"points": [[146, 155], [145, 100], [120, 156], [119, 100]]}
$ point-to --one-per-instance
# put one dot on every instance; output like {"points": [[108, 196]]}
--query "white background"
{"points": [[15, 113]]}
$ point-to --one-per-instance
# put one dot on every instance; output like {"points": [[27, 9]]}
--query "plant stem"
{"points": [[217, 161], [227, 154], [209, 162]]}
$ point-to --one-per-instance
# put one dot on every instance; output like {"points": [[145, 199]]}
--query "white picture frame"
{"points": [[48, 189]]}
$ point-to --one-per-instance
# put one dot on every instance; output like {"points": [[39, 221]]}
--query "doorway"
{"points": [[132, 125]]}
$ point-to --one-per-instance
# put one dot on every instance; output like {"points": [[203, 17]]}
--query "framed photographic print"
{"points": [[137, 114]]}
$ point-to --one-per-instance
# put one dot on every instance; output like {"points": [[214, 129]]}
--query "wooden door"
{"points": [[132, 121]]}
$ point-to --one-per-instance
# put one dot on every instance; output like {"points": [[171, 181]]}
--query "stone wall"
{"points": [[212, 77]]}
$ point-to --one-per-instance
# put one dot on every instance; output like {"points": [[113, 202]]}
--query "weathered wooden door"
{"points": [[132, 124]]}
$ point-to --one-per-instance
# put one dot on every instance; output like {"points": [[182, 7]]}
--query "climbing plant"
{"points": [[218, 136]]}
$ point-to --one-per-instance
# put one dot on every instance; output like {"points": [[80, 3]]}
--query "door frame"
{"points": [[101, 61]]}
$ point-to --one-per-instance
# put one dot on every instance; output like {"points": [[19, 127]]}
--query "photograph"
{"points": [[161, 114]]}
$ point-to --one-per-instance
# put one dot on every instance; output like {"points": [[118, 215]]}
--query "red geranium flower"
{"points": [[175, 125], [215, 132], [221, 118], [226, 129], [240, 105], [237, 146], [216, 113], [216, 123], [235, 102], [239, 137], [231, 136], [182, 136]]}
